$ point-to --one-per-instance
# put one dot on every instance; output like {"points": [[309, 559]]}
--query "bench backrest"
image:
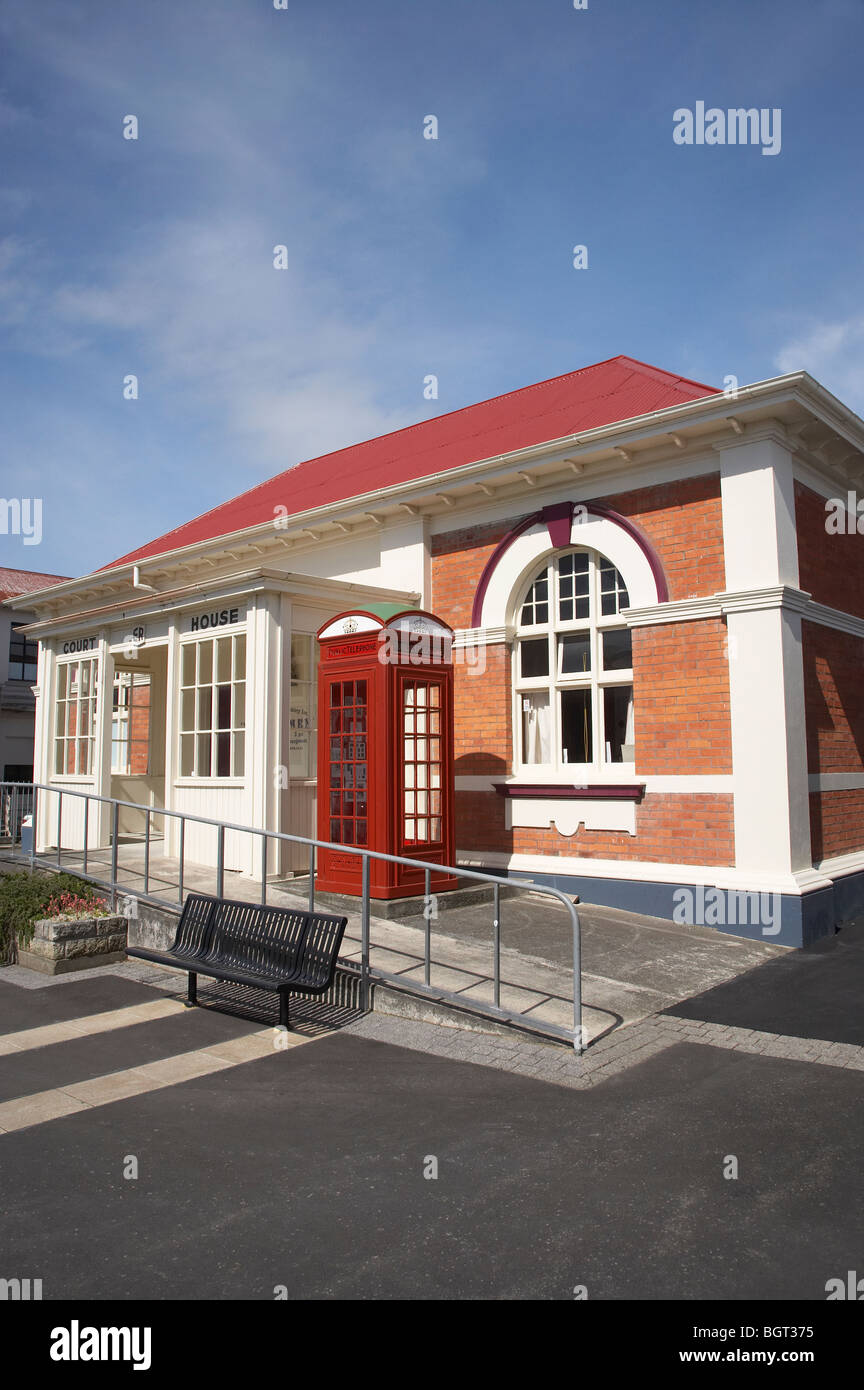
{"points": [[195, 928], [255, 937], [321, 948]]}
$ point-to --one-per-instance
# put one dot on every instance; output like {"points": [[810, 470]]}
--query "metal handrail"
{"points": [[576, 1035]]}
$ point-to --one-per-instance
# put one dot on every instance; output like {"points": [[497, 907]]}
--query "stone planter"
{"points": [[58, 946]]}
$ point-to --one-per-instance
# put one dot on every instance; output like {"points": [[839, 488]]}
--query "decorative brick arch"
{"points": [[554, 528]]}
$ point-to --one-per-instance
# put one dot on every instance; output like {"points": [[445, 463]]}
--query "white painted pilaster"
{"points": [[769, 756]]}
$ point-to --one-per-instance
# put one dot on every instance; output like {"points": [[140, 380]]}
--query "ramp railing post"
{"points": [[364, 938], [86, 829], [427, 913], [264, 869], [182, 852], [115, 837], [311, 878], [220, 862], [496, 938]]}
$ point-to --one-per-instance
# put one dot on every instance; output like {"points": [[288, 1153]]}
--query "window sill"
{"points": [[572, 791]]}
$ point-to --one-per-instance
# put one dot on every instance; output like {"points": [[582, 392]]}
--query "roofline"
{"points": [[798, 384]]}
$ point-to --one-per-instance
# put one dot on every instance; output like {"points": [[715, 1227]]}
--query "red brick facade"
{"points": [[834, 703], [831, 568], [681, 694]]}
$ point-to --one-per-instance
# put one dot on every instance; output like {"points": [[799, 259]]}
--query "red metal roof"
{"points": [[618, 389], [14, 582]]}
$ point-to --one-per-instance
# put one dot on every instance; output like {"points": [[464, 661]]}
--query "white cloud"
{"points": [[833, 353]]}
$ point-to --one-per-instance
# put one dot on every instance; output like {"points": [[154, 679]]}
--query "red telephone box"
{"points": [[385, 750]]}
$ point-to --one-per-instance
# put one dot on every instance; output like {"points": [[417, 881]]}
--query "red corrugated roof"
{"points": [[618, 389], [14, 582]]}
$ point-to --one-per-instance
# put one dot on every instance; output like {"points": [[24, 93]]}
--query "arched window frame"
{"points": [[574, 697]]}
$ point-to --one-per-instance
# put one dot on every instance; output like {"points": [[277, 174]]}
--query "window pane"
{"points": [[187, 664], [223, 659], [239, 755], [534, 658], [187, 755], [613, 593], [576, 731], [205, 663], [617, 650], [240, 657], [575, 654], [536, 727], [618, 723]]}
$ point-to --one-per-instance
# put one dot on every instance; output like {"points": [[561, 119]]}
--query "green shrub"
{"points": [[24, 898]]}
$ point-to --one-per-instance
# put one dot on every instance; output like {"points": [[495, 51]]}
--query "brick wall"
{"points": [[834, 705], [683, 521], [831, 568], [672, 828], [834, 699], [836, 823], [681, 690], [681, 698]]}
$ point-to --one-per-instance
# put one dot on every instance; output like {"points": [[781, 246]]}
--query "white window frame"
{"points": [[62, 738], [236, 729], [596, 680]]}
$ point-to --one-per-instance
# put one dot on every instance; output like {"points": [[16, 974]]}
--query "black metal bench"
{"points": [[276, 948]]}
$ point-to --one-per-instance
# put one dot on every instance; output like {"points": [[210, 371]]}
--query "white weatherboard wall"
{"points": [[766, 675]]}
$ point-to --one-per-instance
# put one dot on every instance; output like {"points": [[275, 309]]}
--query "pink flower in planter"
{"points": [[73, 905]]}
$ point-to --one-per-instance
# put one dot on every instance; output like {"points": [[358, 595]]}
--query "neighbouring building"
{"points": [[659, 640], [18, 668]]}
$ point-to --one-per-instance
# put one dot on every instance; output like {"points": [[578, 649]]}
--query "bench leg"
{"points": [[192, 991], [283, 1009]]}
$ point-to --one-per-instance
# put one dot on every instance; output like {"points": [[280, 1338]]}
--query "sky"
{"points": [[406, 257]]}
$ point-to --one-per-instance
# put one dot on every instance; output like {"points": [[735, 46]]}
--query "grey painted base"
{"points": [[781, 919]]}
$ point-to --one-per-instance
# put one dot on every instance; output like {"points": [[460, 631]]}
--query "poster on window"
{"points": [[300, 732]]}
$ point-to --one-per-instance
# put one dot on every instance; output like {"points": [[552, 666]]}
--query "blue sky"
{"points": [[406, 256]]}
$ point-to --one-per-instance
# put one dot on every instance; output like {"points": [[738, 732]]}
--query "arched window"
{"points": [[573, 666]]}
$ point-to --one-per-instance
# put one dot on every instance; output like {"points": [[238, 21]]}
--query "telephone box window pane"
{"points": [[409, 829], [335, 748], [348, 803], [576, 730], [436, 830], [335, 694], [335, 775], [361, 832], [348, 693], [335, 721], [334, 803], [360, 720], [361, 801], [618, 650], [336, 832]]}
